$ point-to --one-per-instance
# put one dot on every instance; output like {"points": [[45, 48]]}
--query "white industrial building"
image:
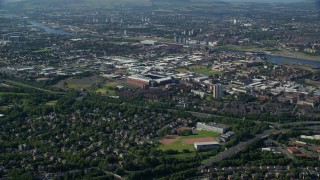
{"points": [[206, 145], [219, 128], [149, 42]]}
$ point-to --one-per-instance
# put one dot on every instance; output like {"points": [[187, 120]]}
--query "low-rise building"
{"points": [[143, 80], [219, 128], [139, 80], [200, 93], [149, 42], [206, 145]]}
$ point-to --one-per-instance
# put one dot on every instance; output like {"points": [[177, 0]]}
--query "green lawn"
{"points": [[52, 103], [80, 83], [201, 134], [145, 38], [200, 69], [12, 93], [181, 70], [177, 145], [14, 83], [107, 88], [246, 48], [73, 85], [206, 71], [111, 84], [128, 85], [180, 146], [299, 55], [41, 51], [4, 108]]}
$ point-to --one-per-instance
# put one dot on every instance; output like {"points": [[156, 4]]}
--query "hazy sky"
{"points": [[2, 2], [268, 0], [212, 0]]}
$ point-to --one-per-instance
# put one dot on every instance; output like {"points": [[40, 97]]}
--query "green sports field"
{"points": [[179, 144]]}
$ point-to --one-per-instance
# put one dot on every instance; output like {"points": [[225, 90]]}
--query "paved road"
{"points": [[242, 145], [301, 123], [235, 149], [206, 115], [32, 87], [116, 176], [201, 115], [282, 150]]}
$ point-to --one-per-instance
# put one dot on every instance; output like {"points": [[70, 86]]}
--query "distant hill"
{"points": [[30, 4], [55, 4]]}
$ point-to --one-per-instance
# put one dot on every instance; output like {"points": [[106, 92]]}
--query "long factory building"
{"points": [[149, 80]]}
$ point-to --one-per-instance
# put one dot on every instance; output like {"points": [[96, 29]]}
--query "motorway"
{"points": [[116, 176], [206, 115], [282, 150], [15, 83], [301, 123], [235, 149]]}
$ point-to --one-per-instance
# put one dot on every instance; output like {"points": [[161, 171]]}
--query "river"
{"points": [[39, 25], [274, 59], [281, 60], [50, 30]]}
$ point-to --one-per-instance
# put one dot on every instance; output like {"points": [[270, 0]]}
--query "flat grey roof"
{"points": [[206, 143]]}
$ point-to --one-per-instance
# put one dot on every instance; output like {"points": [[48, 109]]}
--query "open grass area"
{"points": [[182, 70], [206, 71], [15, 83], [41, 51], [12, 93], [147, 38], [111, 84], [179, 143], [79, 83], [75, 85], [52, 103], [246, 48], [4, 108], [201, 134], [107, 88], [128, 85], [299, 55]]}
